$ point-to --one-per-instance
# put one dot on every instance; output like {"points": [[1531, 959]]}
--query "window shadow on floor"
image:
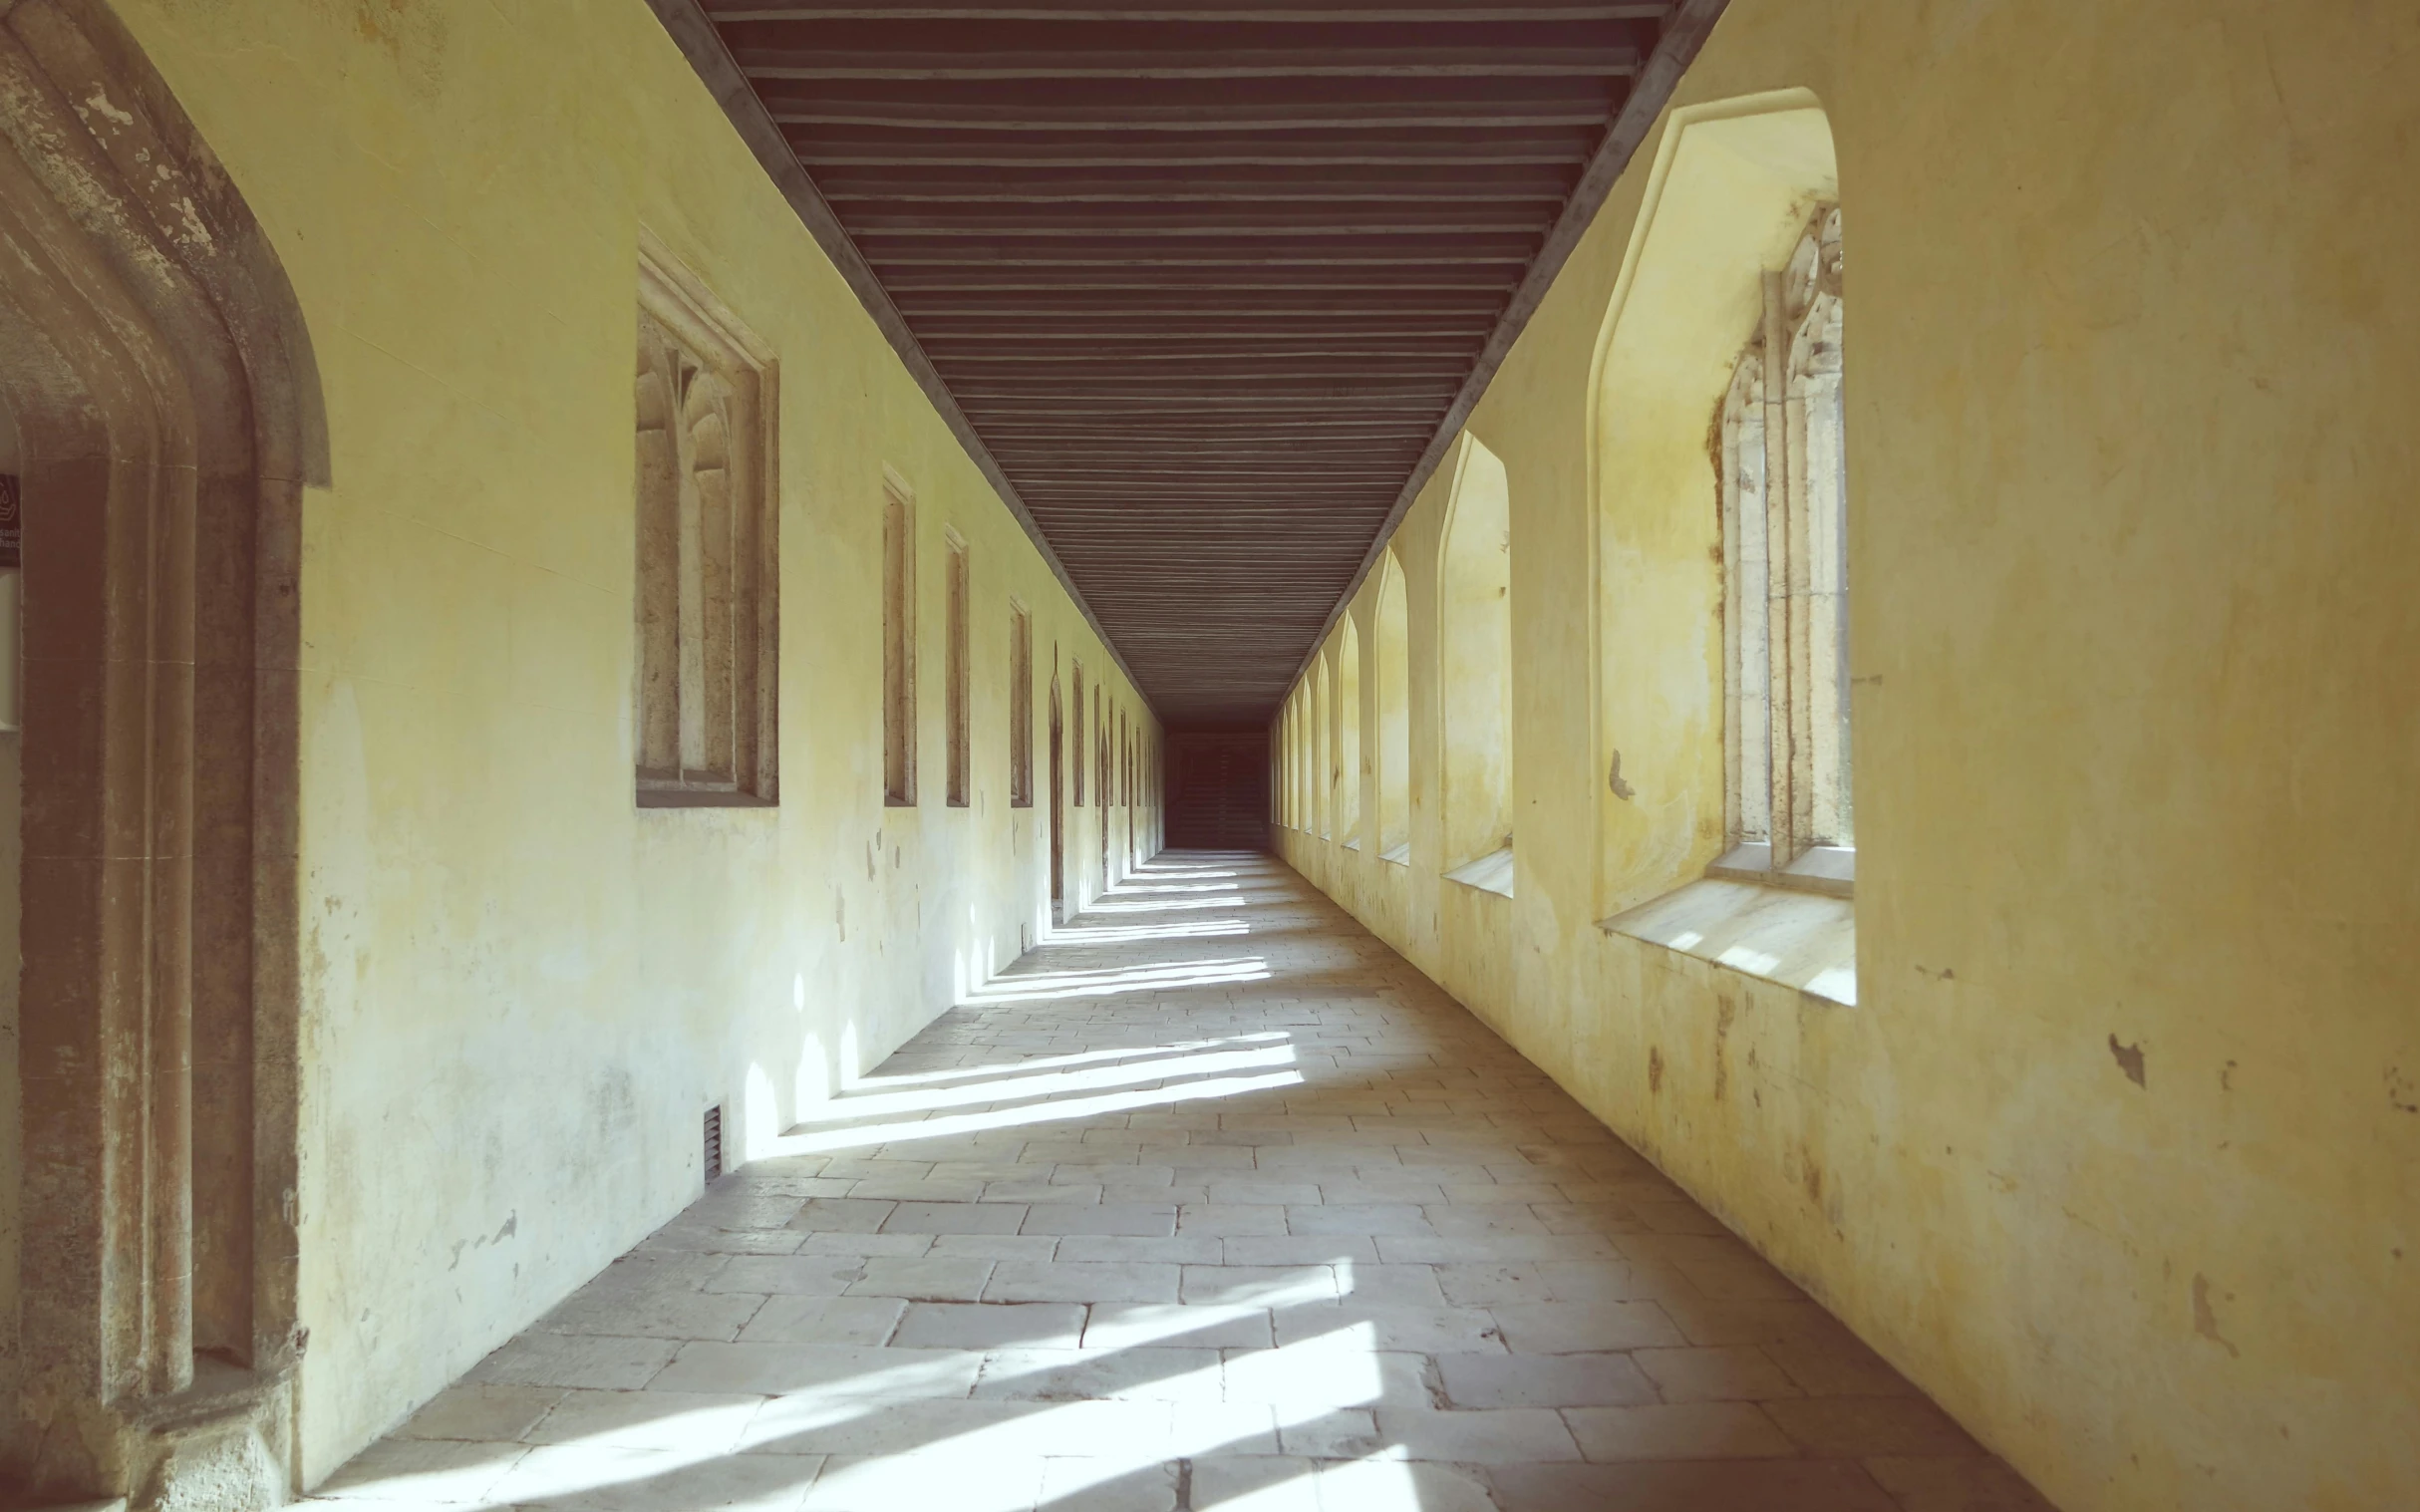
{"points": [[1143, 1225]]}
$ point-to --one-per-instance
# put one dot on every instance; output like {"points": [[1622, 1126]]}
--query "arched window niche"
{"points": [[1717, 467], [1475, 604], [1293, 762], [1322, 728], [1391, 663], [1298, 746], [1281, 751], [1346, 776]]}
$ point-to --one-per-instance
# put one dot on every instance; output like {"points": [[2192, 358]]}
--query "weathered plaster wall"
{"points": [[521, 991], [2129, 375], [12, 852], [12, 1146]]}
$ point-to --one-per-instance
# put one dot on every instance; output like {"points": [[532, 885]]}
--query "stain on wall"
{"points": [[2129, 1058]]}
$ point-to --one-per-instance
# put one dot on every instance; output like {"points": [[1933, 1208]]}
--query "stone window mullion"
{"points": [[1746, 647], [659, 548], [710, 481], [1781, 698]]}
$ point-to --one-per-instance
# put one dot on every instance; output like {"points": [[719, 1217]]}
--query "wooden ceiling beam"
{"points": [[1162, 481], [1354, 384], [1047, 447], [1143, 595], [1438, 377], [1371, 252], [1249, 637], [1213, 510], [1274, 330], [1249, 395], [1513, 115], [1178, 446], [1121, 529], [1186, 556], [1165, 471], [1311, 12], [1220, 621], [1309, 423], [1248, 434], [1226, 467], [1303, 517], [1279, 416], [1225, 369], [1306, 352], [1225, 470], [1272, 184], [1190, 563], [1183, 341], [1124, 528], [1303, 282], [1218, 460], [1162, 495], [1123, 223], [1161, 465], [1373, 60], [822, 148], [1014, 430], [1165, 482], [1349, 309], [1158, 350], [1283, 596], [1139, 105], [1282, 599]]}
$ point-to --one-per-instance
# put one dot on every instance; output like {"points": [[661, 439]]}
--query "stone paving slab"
{"points": [[1166, 1222]]}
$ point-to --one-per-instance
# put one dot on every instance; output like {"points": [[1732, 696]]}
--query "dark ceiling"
{"points": [[1207, 287]]}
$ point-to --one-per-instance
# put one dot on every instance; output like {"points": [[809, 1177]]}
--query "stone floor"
{"points": [[1211, 1202]]}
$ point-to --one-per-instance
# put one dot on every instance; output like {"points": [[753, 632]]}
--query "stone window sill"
{"points": [[1795, 936], [1492, 872], [1826, 869], [1400, 855], [693, 797]]}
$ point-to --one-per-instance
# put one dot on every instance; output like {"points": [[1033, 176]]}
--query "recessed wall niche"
{"points": [[707, 609]]}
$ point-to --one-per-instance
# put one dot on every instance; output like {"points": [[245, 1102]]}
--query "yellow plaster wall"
{"points": [[522, 991], [2130, 375]]}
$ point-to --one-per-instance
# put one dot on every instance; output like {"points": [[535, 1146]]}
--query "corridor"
{"points": [[1209, 1202]]}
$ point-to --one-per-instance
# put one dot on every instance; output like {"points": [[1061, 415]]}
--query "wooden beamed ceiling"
{"points": [[1208, 287]]}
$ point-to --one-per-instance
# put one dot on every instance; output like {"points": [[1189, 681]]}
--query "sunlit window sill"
{"points": [[1492, 872], [1399, 855], [1353, 845], [1795, 936], [1826, 869]]}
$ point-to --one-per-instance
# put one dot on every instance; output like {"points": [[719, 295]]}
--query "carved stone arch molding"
{"points": [[155, 364]]}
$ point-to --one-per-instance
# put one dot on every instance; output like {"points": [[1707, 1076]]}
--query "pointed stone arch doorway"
{"points": [[159, 396]]}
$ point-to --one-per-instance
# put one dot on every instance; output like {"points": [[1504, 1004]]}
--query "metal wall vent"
{"points": [[714, 1144]]}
